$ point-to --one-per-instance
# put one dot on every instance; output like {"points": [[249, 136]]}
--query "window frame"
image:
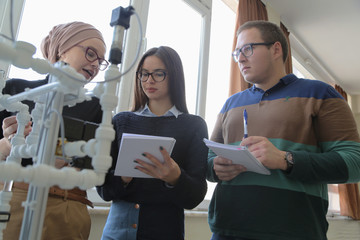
{"points": [[5, 28], [132, 39]]}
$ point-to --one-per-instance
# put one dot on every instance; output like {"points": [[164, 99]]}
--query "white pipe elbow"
{"points": [[75, 149]]}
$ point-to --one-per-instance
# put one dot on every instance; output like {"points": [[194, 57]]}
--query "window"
{"points": [[181, 31], [35, 25], [221, 41]]}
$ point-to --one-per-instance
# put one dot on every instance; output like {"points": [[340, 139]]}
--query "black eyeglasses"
{"points": [[157, 76], [247, 50], [91, 56]]}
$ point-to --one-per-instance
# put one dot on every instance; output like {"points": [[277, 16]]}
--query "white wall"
{"points": [[196, 226]]}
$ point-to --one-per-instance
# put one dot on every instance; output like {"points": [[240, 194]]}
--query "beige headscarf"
{"points": [[64, 36]]}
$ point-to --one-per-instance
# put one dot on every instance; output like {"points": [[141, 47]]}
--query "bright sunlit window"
{"points": [[36, 24], [180, 31]]}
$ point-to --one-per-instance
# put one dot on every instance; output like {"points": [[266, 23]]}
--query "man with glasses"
{"points": [[302, 130]]}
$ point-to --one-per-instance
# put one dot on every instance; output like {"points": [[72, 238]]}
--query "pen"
{"points": [[245, 124]]}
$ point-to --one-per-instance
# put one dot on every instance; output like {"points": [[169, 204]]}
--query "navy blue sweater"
{"points": [[161, 213]]}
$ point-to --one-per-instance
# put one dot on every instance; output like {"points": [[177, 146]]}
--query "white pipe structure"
{"points": [[40, 145]]}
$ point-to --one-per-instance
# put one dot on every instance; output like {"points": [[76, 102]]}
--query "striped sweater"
{"points": [[308, 118]]}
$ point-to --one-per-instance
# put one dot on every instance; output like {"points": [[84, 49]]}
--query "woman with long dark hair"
{"points": [[153, 208]]}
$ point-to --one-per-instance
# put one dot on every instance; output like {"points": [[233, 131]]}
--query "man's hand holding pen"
{"points": [[263, 149], [265, 152], [260, 147]]}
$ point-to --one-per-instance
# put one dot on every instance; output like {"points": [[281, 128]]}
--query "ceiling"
{"points": [[328, 32]]}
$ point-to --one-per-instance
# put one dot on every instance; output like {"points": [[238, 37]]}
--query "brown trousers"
{"points": [[64, 219]]}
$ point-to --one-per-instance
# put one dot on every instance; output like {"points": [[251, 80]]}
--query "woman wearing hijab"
{"points": [[82, 47]]}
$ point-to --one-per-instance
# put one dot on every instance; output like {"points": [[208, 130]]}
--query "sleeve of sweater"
{"points": [[339, 158], [191, 188]]}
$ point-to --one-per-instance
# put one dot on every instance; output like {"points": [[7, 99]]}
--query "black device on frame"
{"points": [[75, 130]]}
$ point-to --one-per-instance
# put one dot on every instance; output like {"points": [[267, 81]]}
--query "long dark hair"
{"points": [[175, 74]]}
